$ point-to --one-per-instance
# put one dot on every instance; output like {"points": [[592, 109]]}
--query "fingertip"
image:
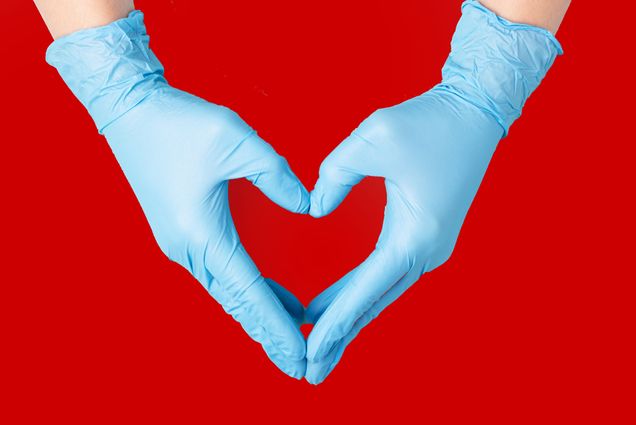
{"points": [[323, 200], [315, 204], [319, 370], [296, 194], [314, 379], [264, 317], [279, 183], [296, 191], [296, 350], [293, 368], [315, 373], [296, 369], [327, 196]]}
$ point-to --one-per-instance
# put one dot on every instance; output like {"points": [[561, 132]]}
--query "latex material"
{"points": [[178, 152], [433, 151]]}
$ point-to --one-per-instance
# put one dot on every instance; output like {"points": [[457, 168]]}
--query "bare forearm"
{"points": [[63, 17], [547, 14]]}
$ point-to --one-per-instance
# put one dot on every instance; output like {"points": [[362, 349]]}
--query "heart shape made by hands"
{"points": [[432, 161], [432, 152]]}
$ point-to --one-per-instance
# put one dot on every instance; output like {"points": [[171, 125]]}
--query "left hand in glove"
{"points": [[432, 151]]}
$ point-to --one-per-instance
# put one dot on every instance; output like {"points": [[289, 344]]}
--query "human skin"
{"points": [[546, 14], [63, 17]]}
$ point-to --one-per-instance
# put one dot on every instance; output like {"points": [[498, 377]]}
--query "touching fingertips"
{"points": [[315, 208]]}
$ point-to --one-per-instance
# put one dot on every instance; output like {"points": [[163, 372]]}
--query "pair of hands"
{"points": [[179, 152]]}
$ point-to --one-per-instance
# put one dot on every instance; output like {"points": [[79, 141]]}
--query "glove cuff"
{"points": [[110, 69], [496, 64]]}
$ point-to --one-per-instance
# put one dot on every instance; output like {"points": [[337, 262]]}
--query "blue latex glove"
{"points": [[178, 153], [433, 151]]}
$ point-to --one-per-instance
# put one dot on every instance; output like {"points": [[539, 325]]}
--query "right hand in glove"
{"points": [[178, 152]]}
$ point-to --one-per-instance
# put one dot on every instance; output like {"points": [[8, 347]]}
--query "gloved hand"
{"points": [[178, 153], [432, 151]]}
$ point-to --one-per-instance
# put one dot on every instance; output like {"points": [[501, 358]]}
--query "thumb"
{"points": [[345, 167], [270, 172]]}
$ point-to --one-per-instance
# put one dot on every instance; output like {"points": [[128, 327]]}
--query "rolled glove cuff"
{"points": [[110, 69], [496, 64]]}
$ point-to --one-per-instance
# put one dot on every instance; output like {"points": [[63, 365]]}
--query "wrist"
{"points": [[110, 69], [496, 64]]}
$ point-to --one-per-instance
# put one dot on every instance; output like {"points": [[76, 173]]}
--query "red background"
{"points": [[532, 319]]}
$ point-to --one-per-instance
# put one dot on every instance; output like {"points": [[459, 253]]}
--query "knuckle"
{"points": [[427, 239], [431, 243], [379, 126], [380, 114], [220, 117], [225, 114]]}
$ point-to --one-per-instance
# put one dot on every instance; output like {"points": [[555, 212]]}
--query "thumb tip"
{"points": [[316, 208], [295, 198], [316, 214]]}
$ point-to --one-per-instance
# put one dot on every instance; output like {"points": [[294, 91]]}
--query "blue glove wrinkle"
{"points": [[496, 64], [110, 69]]}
